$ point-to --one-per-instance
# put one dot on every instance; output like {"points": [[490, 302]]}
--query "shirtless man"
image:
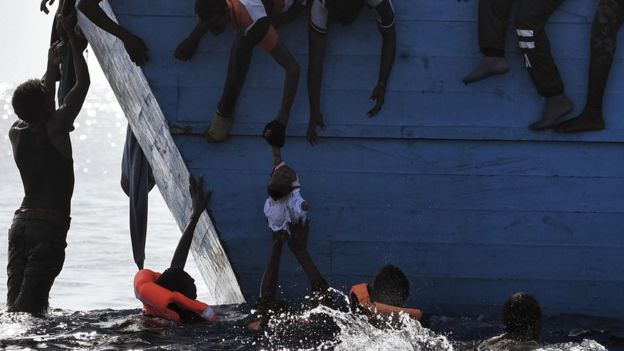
{"points": [[43, 154], [253, 21], [346, 12]]}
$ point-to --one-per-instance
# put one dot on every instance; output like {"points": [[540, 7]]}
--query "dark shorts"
{"points": [[36, 257]]}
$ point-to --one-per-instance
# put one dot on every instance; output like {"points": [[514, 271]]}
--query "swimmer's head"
{"points": [[390, 286], [281, 182], [522, 316], [212, 14], [176, 279], [344, 11], [31, 102]]}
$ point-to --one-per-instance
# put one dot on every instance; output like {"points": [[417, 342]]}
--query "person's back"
{"points": [[47, 175]]}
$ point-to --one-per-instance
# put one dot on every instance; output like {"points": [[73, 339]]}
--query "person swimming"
{"points": [[522, 317], [172, 295]]}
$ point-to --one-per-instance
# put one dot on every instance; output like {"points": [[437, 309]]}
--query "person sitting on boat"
{"points": [[43, 154], [607, 22], [172, 295], [135, 47], [522, 317], [254, 26], [346, 12], [531, 19], [285, 204]]}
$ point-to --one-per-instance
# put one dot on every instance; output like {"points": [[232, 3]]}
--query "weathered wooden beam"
{"points": [[148, 123]]}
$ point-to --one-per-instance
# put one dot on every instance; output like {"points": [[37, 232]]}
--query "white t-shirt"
{"points": [[284, 211], [319, 15]]}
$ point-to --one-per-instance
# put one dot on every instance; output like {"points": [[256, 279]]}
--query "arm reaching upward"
{"points": [[200, 202], [134, 45], [298, 243], [74, 100], [268, 285]]}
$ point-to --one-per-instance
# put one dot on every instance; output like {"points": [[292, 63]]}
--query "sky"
{"points": [[25, 33]]}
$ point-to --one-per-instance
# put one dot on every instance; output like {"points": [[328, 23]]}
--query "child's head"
{"points": [[31, 102], [390, 286], [281, 182], [176, 279], [522, 316]]}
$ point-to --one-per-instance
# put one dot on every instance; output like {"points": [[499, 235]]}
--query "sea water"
{"points": [[93, 301]]}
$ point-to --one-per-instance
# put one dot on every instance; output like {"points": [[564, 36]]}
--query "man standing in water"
{"points": [[43, 154]]}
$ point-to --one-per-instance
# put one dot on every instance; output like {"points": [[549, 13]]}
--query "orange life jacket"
{"points": [[155, 298], [360, 291]]}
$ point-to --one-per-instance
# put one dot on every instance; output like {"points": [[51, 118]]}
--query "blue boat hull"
{"points": [[447, 182]]}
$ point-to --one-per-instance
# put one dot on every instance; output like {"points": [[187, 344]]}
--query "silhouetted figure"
{"points": [[530, 21], [172, 294], [607, 22], [345, 12], [134, 45], [254, 22], [43, 154], [522, 317]]}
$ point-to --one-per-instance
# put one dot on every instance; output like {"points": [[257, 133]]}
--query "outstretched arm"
{"points": [[186, 49], [318, 46], [285, 59], [134, 45], [388, 53], [298, 243], [268, 285], [200, 202], [52, 74], [74, 100]]}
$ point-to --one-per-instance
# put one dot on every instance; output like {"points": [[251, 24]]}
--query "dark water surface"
{"points": [[129, 329]]}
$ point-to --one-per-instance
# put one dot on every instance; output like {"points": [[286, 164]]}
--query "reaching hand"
{"points": [[55, 53], [136, 48], [315, 121], [199, 197], [378, 96], [44, 6], [186, 49], [298, 239]]}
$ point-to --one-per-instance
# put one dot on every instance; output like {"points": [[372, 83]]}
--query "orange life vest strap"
{"points": [[361, 293]]}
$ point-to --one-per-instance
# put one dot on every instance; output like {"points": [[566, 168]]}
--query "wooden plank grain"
{"points": [[171, 175]]}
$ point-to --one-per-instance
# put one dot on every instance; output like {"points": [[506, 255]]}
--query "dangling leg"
{"points": [[493, 23], [535, 47], [608, 20]]}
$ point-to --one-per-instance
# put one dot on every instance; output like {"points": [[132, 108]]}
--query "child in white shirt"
{"points": [[285, 204]]}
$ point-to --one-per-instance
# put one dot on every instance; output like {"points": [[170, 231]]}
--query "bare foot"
{"points": [[487, 67], [589, 120], [556, 107]]}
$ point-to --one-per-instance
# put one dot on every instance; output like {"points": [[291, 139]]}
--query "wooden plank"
{"points": [[170, 172]]}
